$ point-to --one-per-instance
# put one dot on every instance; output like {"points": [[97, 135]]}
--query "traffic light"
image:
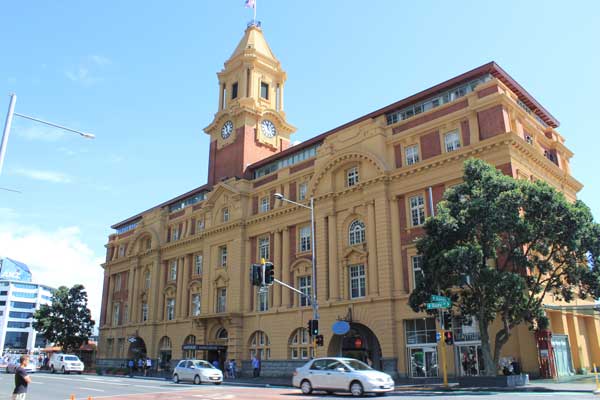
{"points": [[313, 327], [448, 339], [269, 273], [447, 321], [319, 340], [256, 275]]}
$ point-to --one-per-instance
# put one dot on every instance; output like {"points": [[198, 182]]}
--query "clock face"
{"points": [[226, 129], [268, 128]]}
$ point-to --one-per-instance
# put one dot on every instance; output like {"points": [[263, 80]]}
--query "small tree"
{"points": [[498, 246], [67, 321]]}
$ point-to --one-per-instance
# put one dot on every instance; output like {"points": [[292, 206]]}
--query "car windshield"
{"points": [[357, 365], [202, 364], [71, 358]]}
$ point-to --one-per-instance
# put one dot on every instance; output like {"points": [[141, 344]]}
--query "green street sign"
{"points": [[432, 306], [439, 299]]}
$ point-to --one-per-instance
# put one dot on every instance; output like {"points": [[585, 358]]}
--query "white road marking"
{"points": [[96, 390]]}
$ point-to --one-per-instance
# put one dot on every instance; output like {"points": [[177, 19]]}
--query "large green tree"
{"points": [[67, 321], [498, 246]]}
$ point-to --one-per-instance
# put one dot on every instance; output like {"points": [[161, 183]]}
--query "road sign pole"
{"points": [[443, 347]]}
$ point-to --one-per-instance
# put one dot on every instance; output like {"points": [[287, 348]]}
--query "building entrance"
{"points": [[469, 359], [360, 343], [137, 348], [562, 355], [423, 362]]}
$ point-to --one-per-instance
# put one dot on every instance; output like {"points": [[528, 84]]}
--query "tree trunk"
{"points": [[501, 338], [489, 366]]}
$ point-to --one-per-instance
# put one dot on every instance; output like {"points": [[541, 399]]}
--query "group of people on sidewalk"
{"points": [[141, 365]]}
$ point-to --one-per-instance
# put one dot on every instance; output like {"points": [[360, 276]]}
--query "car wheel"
{"points": [[218, 383], [328, 392], [306, 387], [175, 378], [52, 370], [7, 371], [197, 380], [356, 388], [79, 373], [63, 370]]}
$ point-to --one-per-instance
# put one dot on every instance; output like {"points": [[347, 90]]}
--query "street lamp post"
{"points": [[8, 123], [315, 305]]}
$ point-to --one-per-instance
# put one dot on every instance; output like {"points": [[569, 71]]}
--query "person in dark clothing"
{"points": [[22, 379]]}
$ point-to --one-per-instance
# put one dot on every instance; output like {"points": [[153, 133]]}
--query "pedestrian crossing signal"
{"points": [[319, 340], [448, 338]]}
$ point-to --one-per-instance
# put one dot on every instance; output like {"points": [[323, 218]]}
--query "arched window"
{"points": [[260, 345], [164, 352], [222, 334], [190, 351], [299, 345], [356, 232]]}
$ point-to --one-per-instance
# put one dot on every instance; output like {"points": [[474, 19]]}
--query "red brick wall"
{"points": [[466, 132], [430, 145], [492, 122], [292, 194], [255, 205], [405, 270], [293, 245], [430, 117], [506, 169], [264, 181], [398, 155], [301, 166], [487, 91]]}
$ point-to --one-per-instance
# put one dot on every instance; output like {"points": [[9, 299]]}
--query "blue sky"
{"points": [[141, 76]]}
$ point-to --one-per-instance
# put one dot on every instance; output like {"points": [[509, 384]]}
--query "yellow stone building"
{"points": [[176, 277]]}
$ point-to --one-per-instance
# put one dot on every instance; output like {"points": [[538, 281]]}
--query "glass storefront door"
{"points": [[469, 359], [423, 362]]}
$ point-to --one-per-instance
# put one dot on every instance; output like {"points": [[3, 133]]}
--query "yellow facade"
{"points": [[154, 278]]}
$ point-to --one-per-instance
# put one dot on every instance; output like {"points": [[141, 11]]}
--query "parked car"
{"points": [[14, 362], [66, 363], [338, 374], [197, 371]]}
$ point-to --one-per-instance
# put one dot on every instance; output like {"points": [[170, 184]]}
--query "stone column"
{"points": [[181, 261], [187, 273], [160, 280], [334, 280], [278, 267], [109, 305], [372, 272], [285, 265], [396, 245], [248, 292]]}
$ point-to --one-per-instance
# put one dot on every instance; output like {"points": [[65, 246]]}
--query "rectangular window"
{"points": [[196, 304], [200, 225], [420, 331], [304, 239], [264, 247], [20, 325], [305, 286], [225, 214], [412, 154], [120, 346], [234, 91], [110, 346], [173, 270], [147, 280], [174, 234], [264, 90], [223, 256], [529, 138], [170, 309], [117, 287], [352, 176], [125, 313], [452, 141], [265, 205], [263, 300], [417, 267], [302, 189], [121, 250], [116, 313], [144, 312], [357, 281], [221, 300], [417, 210], [198, 264]]}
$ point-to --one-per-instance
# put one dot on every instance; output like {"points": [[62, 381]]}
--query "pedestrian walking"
{"points": [[148, 366], [141, 364], [22, 379], [130, 364], [215, 364], [255, 367], [232, 368]]}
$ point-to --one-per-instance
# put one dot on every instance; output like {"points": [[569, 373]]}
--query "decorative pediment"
{"points": [[195, 284], [302, 266], [221, 190], [221, 279], [355, 254], [170, 290]]}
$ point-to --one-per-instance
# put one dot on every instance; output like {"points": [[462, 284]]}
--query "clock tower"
{"points": [[250, 123]]}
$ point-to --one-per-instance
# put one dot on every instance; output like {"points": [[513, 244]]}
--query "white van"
{"points": [[65, 363]]}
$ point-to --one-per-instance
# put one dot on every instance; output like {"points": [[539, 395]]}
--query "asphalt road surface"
{"points": [[61, 387]]}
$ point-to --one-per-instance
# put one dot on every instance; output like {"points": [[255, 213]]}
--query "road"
{"points": [[61, 387]]}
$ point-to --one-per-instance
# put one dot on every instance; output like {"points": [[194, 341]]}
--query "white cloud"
{"points": [[100, 60], [40, 133], [86, 72], [81, 75], [47, 176], [56, 258]]}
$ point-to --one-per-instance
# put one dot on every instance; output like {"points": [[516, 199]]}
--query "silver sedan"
{"points": [[197, 371]]}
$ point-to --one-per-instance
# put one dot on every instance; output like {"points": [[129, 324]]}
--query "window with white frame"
{"points": [[225, 214], [170, 309], [263, 300], [417, 267], [356, 233], [299, 344], [200, 225], [223, 256], [411, 154], [452, 141], [358, 282], [122, 250], [260, 346], [173, 270], [116, 313], [304, 244], [221, 300], [528, 138], [196, 304], [305, 286], [264, 247], [174, 233], [417, 210], [117, 287], [198, 264], [147, 280], [352, 176], [144, 312], [302, 190], [110, 346], [265, 204]]}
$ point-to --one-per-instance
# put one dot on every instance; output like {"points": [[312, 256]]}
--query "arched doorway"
{"points": [[164, 353], [137, 348], [360, 343]]}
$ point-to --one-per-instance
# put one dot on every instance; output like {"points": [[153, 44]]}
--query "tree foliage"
{"points": [[67, 321], [498, 246]]}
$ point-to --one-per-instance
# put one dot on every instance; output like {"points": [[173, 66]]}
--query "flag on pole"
{"points": [[250, 4]]}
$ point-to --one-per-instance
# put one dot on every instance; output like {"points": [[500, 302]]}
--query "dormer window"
{"points": [[225, 214], [234, 91], [264, 90]]}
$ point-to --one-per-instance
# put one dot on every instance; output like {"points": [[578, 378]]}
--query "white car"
{"points": [[15, 362], [337, 374], [65, 363], [197, 371]]}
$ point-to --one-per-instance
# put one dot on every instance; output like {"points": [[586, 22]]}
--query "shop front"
{"points": [[421, 348]]}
